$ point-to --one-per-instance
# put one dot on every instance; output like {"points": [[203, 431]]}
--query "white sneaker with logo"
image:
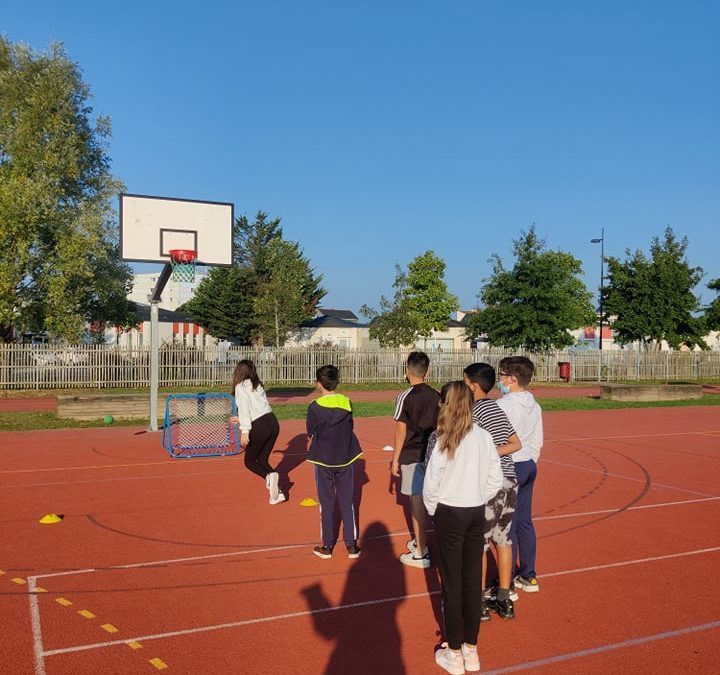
{"points": [[450, 660], [410, 559], [471, 658]]}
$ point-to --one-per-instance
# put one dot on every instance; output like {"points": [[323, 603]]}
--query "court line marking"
{"points": [[271, 549], [605, 648], [636, 480], [366, 603]]}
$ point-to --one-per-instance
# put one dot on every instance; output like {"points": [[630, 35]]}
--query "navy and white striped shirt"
{"points": [[491, 417]]}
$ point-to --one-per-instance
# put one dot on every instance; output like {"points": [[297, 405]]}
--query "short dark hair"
{"points": [[418, 363], [482, 374], [521, 367], [328, 376]]}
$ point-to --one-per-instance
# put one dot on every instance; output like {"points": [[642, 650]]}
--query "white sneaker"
{"points": [[450, 660], [471, 658], [272, 480], [279, 500], [423, 562]]}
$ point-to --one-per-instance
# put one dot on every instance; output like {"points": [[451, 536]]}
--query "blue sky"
{"points": [[379, 130]]}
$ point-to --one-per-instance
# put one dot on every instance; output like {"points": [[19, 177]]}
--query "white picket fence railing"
{"points": [[44, 367]]}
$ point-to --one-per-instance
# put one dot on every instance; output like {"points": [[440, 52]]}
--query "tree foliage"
{"points": [[270, 290], [711, 317], [651, 299], [534, 304], [59, 259], [422, 304]]}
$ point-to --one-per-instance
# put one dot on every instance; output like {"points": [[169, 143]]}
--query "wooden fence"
{"points": [[43, 367]]}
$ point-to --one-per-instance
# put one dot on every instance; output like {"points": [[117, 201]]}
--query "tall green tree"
{"points": [[59, 260], [422, 304], [711, 317], [270, 290], [650, 298], [535, 304]]}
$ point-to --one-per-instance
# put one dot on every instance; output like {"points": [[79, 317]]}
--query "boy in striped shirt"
{"points": [[480, 378]]}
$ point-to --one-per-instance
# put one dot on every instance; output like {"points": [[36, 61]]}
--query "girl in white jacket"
{"points": [[259, 428], [463, 473]]}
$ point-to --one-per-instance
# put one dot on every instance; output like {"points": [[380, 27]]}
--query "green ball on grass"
{"points": [[108, 419]]}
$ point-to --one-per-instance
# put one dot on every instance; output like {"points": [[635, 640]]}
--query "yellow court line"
{"points": [[159, 663], [20, 581], [86, 613], [63, 601], [133, 644], [109, 628]]}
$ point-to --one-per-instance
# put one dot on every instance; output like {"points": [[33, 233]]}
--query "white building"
{"points": [[174, 295]]}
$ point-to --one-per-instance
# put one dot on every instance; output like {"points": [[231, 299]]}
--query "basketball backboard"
{"points": [[150, 227]]}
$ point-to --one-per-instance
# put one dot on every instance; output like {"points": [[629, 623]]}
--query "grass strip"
{"points": [[31, 421]]}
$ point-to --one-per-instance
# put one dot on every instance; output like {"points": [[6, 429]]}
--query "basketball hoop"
{"points": [[183, 265]]}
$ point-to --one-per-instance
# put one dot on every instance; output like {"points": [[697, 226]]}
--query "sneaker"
{"points": [[410, 559], [503, 608], [354, 551], [484, 610], [491, 591], [527, 584], [471, 658], [279, 500], [324, 552], [411, 546], [450, 660], [272, 480]]}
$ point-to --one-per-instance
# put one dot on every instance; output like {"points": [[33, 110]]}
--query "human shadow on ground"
{"points": [[364, 624], [294, 455]]}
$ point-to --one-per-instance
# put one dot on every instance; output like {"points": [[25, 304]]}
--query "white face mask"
{"points": [[503, 387]]}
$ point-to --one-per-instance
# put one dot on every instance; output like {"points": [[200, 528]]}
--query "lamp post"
{"points": [[601, 241]]}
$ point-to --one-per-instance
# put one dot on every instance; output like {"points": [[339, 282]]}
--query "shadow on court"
{"points": [[367, 639], [293, 456]]}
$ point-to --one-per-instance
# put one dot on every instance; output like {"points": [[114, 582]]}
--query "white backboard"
{"points": [[152, 226]]}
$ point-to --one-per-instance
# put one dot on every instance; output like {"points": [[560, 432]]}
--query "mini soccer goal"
{"points": [[198, 425]]}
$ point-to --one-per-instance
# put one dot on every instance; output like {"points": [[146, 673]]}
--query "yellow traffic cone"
{"points": [[308, 501], [51, 518]]}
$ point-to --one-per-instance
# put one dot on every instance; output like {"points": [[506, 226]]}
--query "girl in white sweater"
{"points": [[463, 472], [259, 428]]}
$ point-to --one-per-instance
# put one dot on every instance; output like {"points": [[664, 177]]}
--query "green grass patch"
{"points": [[30, 421]]}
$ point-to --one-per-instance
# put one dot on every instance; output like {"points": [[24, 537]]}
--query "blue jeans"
{"points": [[522, 530]]}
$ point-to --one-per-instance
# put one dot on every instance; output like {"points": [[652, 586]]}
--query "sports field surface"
{"points": [[181, 564]]}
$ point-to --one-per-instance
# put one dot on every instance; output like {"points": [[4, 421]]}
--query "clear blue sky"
{"points": [[378, 130]]}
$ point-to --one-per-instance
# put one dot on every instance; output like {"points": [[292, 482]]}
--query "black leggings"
{"points": [[263, 434]]}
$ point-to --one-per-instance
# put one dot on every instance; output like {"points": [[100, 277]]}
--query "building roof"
{"points": [[332, 322], [164, 315], [344, 314]]}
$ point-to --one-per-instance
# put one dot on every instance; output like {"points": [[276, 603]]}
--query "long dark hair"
{"points": [[245, 370]]}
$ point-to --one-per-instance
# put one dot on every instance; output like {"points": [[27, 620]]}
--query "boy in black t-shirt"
{"points": [[416, 413]]}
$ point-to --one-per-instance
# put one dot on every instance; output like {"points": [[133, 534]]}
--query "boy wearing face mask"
{"points": [[525, 415]]}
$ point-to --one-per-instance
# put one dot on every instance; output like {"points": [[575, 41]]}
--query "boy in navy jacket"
{"points": [[333, 450]]}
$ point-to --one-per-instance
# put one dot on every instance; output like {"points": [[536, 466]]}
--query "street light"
{"points": [[601, 241]]}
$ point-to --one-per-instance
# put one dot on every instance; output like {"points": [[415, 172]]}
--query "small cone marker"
{"points": [[51, 518], [308, 501]]}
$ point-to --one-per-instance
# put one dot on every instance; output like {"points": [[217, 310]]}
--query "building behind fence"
{"points": [[43, 367]]}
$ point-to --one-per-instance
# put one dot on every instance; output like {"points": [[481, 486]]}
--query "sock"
{"points": [[503, 594]]}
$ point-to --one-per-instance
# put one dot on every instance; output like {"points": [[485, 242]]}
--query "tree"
{"points": [[711, 317], [651, 299], [422, 304], [59, 260], [535, 304], [270, 289]]}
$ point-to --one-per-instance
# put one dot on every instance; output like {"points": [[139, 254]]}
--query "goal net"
{"points": [[198, 425]]}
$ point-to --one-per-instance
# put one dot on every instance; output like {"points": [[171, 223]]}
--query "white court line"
{"points": [[380, 601], [632, 508], [636, 480], [605, 648], [38, 647]]}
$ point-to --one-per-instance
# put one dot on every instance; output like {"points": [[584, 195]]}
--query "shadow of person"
{"points": [[294, 455], [367, 637]]}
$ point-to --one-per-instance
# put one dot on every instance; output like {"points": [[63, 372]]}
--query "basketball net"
{"points": [[183, 265]]}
